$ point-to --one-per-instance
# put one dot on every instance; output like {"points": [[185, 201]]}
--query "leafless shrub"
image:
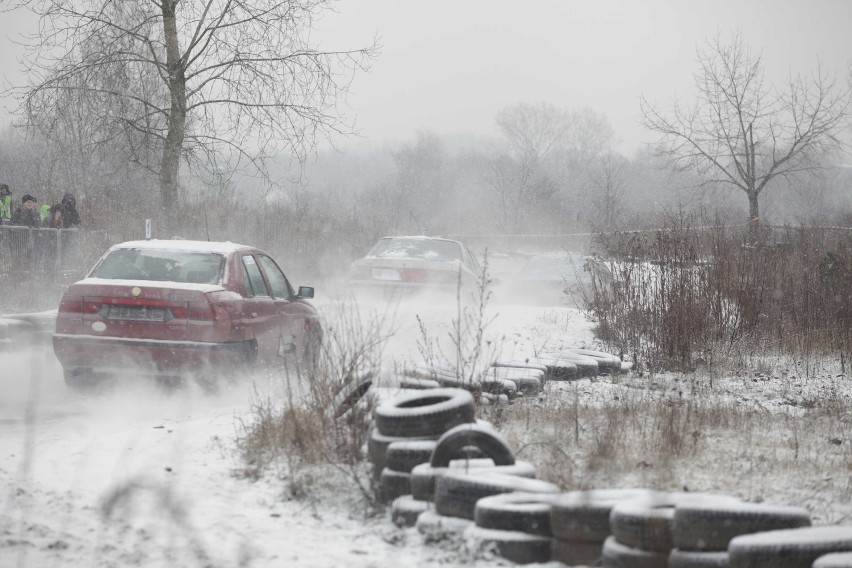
{"points": [[303, 429], [688, 296]]}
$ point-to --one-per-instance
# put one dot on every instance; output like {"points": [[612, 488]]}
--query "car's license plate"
{"points": [[136, 313], [386, 274]]}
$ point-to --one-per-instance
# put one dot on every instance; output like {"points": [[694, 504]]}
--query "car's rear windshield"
{"points": [[161, 265], [424, 249]]}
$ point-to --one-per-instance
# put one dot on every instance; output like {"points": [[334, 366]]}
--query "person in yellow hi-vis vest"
{"points": [[5, 203]]}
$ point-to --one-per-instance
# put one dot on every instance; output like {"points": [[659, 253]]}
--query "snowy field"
{"points": [[140, 477]]}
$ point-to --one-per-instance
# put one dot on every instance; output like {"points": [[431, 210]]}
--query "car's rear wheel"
{"points": [[82, 380]]}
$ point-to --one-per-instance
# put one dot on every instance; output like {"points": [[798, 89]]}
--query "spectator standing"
{"points": [[44, 215], [55, 219], [5, 203], [27, 215], [70, 216]]}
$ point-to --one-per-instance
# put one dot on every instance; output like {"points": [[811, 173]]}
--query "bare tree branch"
{"points": [[743, 133]]}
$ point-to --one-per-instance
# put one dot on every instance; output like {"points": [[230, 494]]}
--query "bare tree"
{"points": [[609, 181], [239, 81], [743, 133], [548, 148]]}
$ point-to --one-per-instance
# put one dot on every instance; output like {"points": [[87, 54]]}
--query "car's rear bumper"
{"points": [[119, 353]]}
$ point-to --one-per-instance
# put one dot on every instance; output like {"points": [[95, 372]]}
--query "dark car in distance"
{"points": [[176, 307]]}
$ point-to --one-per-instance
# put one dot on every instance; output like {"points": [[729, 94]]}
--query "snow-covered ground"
{"points": [[140, 477]]}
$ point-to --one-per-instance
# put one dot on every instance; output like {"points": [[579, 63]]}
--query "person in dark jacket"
{"points": [[70, 216], [27, 214], [54, 218]]}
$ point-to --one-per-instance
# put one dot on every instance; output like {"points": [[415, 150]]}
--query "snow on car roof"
{"points": [[226, 247], [420, 238]]}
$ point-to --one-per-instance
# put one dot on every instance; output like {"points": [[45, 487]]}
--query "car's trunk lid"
{"points": [[132, 309]]}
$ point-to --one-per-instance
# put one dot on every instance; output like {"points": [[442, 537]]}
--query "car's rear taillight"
{"points": [[201, 311], [71, 305], [423, 276], [414, 275]]}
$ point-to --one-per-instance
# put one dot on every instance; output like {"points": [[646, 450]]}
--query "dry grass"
{"points": [[681, 433], [296, 431]]}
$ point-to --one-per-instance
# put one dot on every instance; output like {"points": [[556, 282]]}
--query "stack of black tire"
{"points": [[463, 449], [579, 523], [418, 416], [515, 526], [642, 528], [449, 377], [701, 532], [456, 486]]}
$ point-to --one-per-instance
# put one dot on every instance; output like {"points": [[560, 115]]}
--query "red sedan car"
{"points": [[175, 307]]}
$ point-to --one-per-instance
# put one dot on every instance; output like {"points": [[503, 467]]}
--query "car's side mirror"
{"points": [[305, 292]]}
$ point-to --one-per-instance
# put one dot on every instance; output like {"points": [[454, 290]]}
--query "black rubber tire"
{"points": [[426, 413], [616, 555], [693, 559], [790, 548], [82, 381], [527, 381], [492, 444], [646, 523], [414, 383], [403, 456], [607, 364], [576, 553], [521, 364], [518, 512], [394, 484], [586, 366], [351, 393], [558, 370], [834, 560], [406, 509], [497, 386], [424, 477], [377, 446], [583, 516], [436, 528], [711, 526], [456, 492], [518, 547]]}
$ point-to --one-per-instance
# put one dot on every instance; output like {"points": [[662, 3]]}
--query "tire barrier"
{"points": [[579, 521], [834, 560], [712, 526], [485, 437], [527, 381], [493, 505], [437, 528], [424, 477], [518, 511], [518, 547], [790, 548], [428, 413], [646, 523], [693, 559], [457, 492], [406, 509], [394, 484]]}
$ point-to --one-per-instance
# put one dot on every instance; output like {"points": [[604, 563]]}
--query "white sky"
{"points": [[448, 66]]}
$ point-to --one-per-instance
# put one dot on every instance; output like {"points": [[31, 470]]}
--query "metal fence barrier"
{"points": [[29, 249]]}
